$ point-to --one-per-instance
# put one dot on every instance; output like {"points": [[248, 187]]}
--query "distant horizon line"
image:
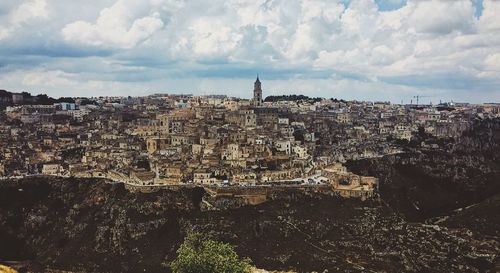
{"points": [[248, 98]]}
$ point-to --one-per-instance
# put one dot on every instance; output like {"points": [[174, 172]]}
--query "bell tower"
{"points": [[257, 93]]}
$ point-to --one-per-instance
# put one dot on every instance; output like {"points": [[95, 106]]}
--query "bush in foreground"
{"points": [[200, 255]]}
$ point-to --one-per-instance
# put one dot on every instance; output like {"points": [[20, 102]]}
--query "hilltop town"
{"points": [[114, 184], [218, 141]]}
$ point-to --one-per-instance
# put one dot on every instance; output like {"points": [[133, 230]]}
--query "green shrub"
{"points": [[199, 255]]}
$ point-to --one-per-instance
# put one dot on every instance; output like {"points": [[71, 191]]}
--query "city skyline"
{"points": [[388, 50]]}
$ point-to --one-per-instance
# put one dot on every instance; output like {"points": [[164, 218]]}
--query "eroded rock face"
{"points": [[423, 183], [73, 221], [92, 226]]}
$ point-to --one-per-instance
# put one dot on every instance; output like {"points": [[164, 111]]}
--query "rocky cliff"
{"points": [[92, 226], [423, 183]]}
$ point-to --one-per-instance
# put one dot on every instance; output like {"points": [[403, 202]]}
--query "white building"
{"points": [[283, 146]]}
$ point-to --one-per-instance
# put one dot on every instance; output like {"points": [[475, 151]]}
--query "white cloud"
{"points": [[115, 27], [29, 10], [56, 78], [211, 37], [5, 32], [442, 17], [26, 13], [492, 63], [490, 19]]}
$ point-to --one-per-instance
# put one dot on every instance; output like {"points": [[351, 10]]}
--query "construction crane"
{"points": [[419, 97]]}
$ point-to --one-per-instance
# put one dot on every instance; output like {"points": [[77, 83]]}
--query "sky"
{"points": [[389, 50]]}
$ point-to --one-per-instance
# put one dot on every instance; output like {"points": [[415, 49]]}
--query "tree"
{"points": [[143, 163], [200, 255]]}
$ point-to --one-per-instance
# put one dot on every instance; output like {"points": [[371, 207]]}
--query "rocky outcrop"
{"points": [[6, 269], [92, 226], [423, 183], [477, 218]]}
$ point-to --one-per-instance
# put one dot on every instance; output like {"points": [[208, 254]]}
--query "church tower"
{"points": [[257, 93]]}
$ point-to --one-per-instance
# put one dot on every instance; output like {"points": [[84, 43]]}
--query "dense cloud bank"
{"points": [[352, 49]]}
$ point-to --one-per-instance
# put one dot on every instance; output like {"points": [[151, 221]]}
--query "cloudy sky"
{"points": [[358, 49]]}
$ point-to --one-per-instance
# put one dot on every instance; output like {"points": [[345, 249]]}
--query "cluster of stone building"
{"points": [[218, 140]]}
